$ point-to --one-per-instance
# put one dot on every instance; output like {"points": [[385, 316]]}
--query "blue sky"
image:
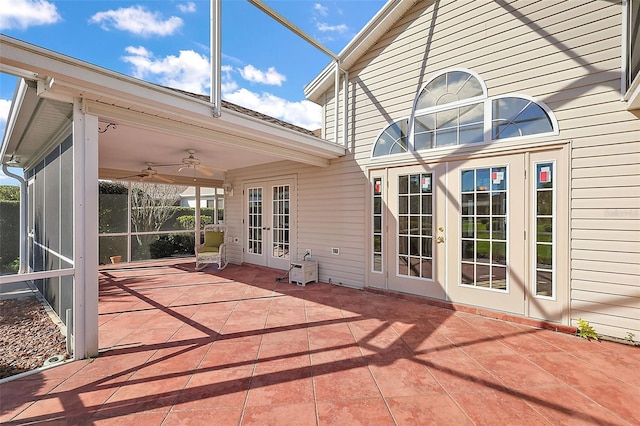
{"points": [[265, 66]]}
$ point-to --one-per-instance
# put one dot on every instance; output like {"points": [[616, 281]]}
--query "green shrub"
{"points": [[9, 234], [172, 244], [160, 248]]}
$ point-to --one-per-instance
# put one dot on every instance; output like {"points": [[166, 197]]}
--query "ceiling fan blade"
{"points": [[204, 171], [163, 179], [138, 176]]}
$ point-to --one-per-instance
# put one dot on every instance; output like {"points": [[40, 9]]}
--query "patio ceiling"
{"points": [[141, 123]]}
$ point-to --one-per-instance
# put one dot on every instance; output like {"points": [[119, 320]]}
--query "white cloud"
{"points": [[189, 7], [23, 14], [324, 27], [137, 20], [302, 113], [5, 106], [320, 9], [188, 71], [271, 76]]}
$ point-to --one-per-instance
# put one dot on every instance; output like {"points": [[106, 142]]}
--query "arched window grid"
{"points": [[420, 137], [399, 144], [531, 102]]}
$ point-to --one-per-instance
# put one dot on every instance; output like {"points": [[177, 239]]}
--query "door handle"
{"points": [[440, 238]]}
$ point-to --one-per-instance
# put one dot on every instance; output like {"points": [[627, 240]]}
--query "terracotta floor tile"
{"points": [[372, 411], [516, 372], [178, 359], [436, 409], [228, 354], [147, 336], [404, 377], [343, 380], [217, 388], [491, 407], [133, 419], [286, 334], [117, 363], [19, 394], [527, 342], [566, 406], [570, 369], [622, 399], [220, 416], [458, 372], [286, 387], [301, 414], [625, 366], [141, 396], [255, 351]]}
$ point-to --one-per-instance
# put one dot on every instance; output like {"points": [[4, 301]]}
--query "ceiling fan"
{"points": [[191, 162], [147, 174]]}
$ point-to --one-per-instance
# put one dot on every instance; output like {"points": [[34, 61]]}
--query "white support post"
{"points": [[336, 102], [197, 224], [85, 233], [216, 56]]}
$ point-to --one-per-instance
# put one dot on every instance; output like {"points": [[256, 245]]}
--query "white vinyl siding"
{"points": [[330, 211], [565, 54]]}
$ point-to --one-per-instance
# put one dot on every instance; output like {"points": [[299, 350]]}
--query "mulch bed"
{"points": [[28, 336]]}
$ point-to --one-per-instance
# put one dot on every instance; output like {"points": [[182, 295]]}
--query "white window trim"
{"points": [[534, 240], [381, 132]]}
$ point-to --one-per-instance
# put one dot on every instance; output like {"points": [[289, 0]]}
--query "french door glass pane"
{"points": [[254, 244], [415, 225], [280, 221], [483, 245]]}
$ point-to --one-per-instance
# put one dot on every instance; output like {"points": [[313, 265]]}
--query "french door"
{"points": [[484, 232], [269, 223]]}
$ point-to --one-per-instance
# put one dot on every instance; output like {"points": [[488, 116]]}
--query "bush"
{"points": [[160, 248], [10, 234], [172, 244]]}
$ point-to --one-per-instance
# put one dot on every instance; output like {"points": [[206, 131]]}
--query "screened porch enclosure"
{"points": [[146, 220]]}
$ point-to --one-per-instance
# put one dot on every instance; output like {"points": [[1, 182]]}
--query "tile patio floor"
{"points": [[236, 347]]}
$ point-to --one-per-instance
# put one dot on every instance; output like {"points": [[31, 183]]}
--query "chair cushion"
{"points": [[213, 239], [208, 250]]}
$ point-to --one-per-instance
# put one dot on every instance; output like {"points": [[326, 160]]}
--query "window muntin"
{"points": [[453, 126], [449, 87], [483, 219], [544, 209], [415, 225], [513, 117], [377, 224], [280, 219], [392, 140], [453, 109], [255, 238]]}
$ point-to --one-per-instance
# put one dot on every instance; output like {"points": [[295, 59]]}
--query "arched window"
{"points": [[449, 111], [453, 109], [518, 116], [392, 140]]}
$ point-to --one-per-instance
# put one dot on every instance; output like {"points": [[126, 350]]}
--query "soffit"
{"points": [[152, 123]]}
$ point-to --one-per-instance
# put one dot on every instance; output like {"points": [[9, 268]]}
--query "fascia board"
{"points": [[84, 79], [255, 128], [358, 46], [16, 105]]}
